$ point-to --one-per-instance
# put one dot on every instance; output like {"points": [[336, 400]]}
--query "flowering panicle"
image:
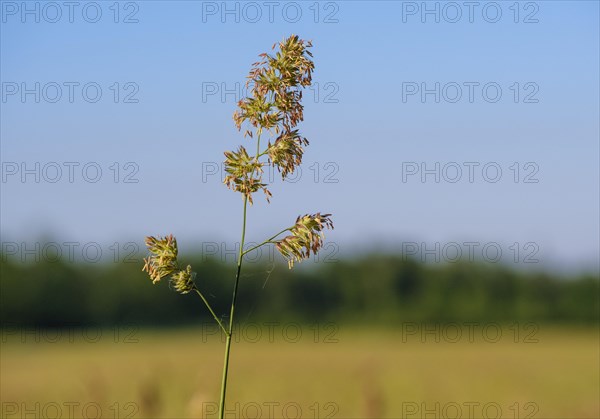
{"points": [[183, 281], [286, 153], [162, 262], [244, 173], [258, 111], [274, 105], [306, 238], [276, 83]]}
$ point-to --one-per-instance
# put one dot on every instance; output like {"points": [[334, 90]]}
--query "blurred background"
{"points": [[455, 143]]}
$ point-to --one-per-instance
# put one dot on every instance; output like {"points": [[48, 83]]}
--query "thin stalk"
{"points": [[230, 332], [269, 240], [211, 310]]}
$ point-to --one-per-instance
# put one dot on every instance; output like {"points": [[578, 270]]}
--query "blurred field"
{"points": [[349, 373]]}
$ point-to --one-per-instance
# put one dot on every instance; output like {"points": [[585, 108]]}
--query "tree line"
{"points": [[369, 289]]}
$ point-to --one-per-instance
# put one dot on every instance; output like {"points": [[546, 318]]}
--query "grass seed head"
{"points": [[306, 238], [162, 262], [274, 105]]}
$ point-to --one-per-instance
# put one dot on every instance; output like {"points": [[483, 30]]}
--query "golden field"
{"points": [[303, 371]]}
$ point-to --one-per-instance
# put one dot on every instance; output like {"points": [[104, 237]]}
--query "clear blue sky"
{"points": [[363, 119]]}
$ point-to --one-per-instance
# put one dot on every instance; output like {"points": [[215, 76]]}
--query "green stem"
{"points": [[269, 240], [230, 332], [211, 310]]}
